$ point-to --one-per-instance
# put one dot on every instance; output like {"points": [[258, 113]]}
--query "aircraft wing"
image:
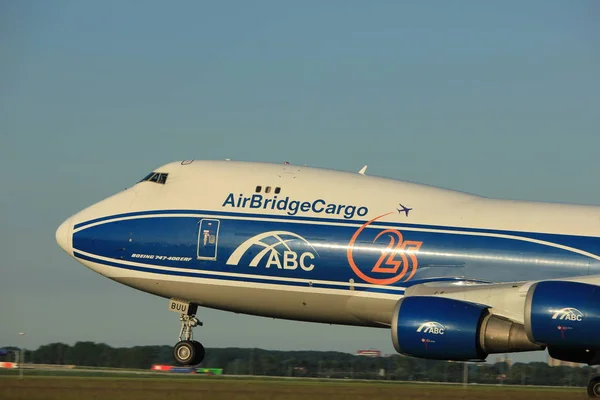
{"points": [[504, 299]]}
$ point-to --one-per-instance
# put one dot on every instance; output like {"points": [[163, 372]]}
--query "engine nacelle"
{"points": [[563, 314], [581, 356], [447, 329]]}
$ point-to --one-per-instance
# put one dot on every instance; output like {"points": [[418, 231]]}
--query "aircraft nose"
{"points": [[64, 236]]}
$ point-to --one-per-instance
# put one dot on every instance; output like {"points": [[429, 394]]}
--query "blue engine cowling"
{"points": [[563, 314], [438, 328]]}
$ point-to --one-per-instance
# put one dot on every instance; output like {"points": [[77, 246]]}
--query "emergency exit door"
{"points": [[208, 239]]}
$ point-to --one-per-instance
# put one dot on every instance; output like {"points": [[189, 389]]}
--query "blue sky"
{"points": [[499, 99]]}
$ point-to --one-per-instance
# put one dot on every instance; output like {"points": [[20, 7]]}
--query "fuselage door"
{"points": [[208, 239]]}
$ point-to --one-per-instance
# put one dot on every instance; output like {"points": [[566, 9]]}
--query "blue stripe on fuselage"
{"points": [[586, 243], [293, 218], [154, 238]]}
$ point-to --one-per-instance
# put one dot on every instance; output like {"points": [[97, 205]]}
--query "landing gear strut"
{"points": [[188, 351], [593, 388]]}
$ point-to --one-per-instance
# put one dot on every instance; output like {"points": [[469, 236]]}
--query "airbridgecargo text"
{"points": [[293, 207]]}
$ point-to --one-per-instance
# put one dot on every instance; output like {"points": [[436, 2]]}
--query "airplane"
{"points": [[403, 209], [311, 244]]}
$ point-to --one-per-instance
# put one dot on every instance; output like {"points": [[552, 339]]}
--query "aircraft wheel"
{"points": [[184, 352], [593, 388], [199, 352]]}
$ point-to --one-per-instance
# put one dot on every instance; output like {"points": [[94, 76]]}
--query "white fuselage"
{"points": [[319, 245]]}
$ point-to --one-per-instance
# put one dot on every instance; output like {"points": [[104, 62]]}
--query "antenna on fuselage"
{"points": [[363, 170]]}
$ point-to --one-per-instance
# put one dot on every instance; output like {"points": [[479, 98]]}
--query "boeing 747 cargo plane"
{"points": [[456, 278]]}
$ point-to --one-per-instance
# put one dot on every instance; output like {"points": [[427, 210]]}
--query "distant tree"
{"points": [[53, 353]]}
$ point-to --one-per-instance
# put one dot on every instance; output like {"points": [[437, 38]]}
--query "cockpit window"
{"points": [[162, 178], [147, 177], [156, 177]]}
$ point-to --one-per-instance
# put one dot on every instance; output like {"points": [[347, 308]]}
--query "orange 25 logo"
{"points": [[398, 253]]}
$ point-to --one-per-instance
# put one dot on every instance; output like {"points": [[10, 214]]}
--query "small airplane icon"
{"points": [[405, 210]]}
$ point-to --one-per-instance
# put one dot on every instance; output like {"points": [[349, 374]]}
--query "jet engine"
{"points": [[447, 329], [563, 315]]}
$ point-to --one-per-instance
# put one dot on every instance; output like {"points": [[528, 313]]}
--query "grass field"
{"points": [[83, 388]]}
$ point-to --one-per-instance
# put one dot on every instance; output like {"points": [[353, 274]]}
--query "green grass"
{"points": [[196, 387]]}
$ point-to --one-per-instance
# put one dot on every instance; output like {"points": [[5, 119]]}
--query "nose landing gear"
{"points": [[188, 351]]}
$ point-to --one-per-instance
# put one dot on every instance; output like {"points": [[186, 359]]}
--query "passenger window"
{"points": [[268, 189], [258, 189], [277, 190]]}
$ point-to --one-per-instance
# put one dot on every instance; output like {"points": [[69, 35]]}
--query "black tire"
{"points": [[593, 388], [199, 352], [184, 352]]}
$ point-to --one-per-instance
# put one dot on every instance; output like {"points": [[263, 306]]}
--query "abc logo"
{"points": [[290, 260]]}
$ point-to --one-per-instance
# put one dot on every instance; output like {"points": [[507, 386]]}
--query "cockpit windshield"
{"points": [[156, 177]]}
